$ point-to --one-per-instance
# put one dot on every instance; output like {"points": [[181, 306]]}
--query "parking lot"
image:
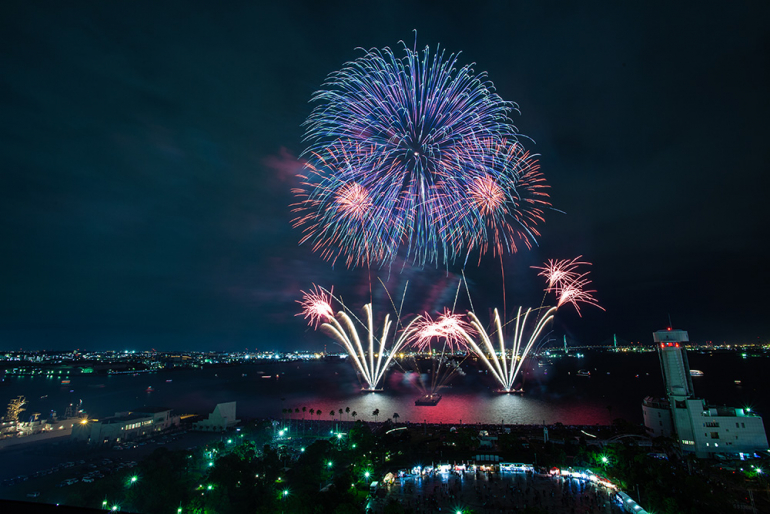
{"points": [[41, 468]]}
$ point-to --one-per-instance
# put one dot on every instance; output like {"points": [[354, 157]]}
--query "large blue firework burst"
{"points": [[414, 153]]}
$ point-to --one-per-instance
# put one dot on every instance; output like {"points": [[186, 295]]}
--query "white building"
{"points": [[699, 428], [125, 426], [220, 420]]}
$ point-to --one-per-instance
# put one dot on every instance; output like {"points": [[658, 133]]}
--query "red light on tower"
{"points": [[669, 329]]}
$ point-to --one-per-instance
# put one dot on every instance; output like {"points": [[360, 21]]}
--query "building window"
{"points": [[743, 425], [715, 435], [711, 424], [736, 425]]}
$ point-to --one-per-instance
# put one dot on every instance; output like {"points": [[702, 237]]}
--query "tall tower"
{"points": [[673, 363]]}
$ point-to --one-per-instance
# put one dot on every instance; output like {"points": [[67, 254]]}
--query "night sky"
{"points": [[149, 149]]}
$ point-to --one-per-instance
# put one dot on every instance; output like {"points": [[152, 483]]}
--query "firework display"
{"points": [[506, 364], [340, 326], [414, 152]]}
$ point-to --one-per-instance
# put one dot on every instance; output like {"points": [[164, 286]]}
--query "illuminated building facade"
{"points": [[125, 426], [699, 428]]}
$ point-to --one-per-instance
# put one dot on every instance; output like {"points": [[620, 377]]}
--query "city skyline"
{"points": [[151, 151]]}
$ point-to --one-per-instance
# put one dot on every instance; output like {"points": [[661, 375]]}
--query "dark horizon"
{"points": [[150, 151]]}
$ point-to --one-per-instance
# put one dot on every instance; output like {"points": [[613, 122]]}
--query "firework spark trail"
{"points": [[447, 326], [498, 365], [414, 152], [316, 308], [560, 272], [573, 292], [569, 286]]}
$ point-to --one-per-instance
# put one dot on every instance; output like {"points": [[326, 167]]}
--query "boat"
{"points": [[429, 400], [149, 389], [696, 373], [583, 373], [65, 381], [169, 380]]}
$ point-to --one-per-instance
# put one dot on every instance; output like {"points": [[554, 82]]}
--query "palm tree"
{"points": [[347, 411], [395, 417], [354, 414], [304, 409], [375, 413], [340, 414]]}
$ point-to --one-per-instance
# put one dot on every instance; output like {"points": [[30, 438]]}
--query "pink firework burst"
{"points": [[559, 273], [353, 200], [487, 194], [316, 306], [447, 326], [573, 292]]}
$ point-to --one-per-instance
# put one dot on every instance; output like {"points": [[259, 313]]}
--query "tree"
{"points": [[395, 417], [15, 408], [375, 413], [332, 413], [354, 414], [340, 411], [347, 411], [304, 409]]}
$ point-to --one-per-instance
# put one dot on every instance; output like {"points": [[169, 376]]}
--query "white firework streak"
{"points": [[505, 372], [341, 329]]}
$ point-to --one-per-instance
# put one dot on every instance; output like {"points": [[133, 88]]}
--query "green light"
{"points": [[285, 492], [354, 445], [367, 474], [179, 510], [329, 464], [104, 503], [339, 436], [229, 441], [210, 487], [605, 459], [134, 479], [302, 449], [114, 508], [211, 464]]}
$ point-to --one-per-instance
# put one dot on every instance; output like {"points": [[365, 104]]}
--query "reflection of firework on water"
{"points": [[341, 327], [417, 152], [447, 326]]}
